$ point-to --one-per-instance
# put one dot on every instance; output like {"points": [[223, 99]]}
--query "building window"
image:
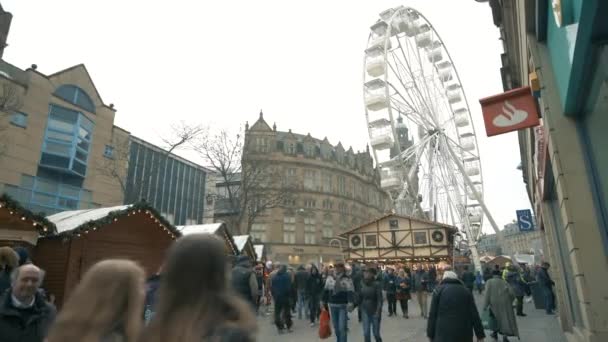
{"points": [[261, 144], [328, 229], [258, 232], [289, 202], [310, 203], [310, 231], [342, 207], [289, 229], [371, 241], [19, 119], [341, 185], [310, 180], [327, 204], [108, 152], [326, 182], [309, 150], [343, 222], [420, 238], [75, 96], [67, 141], [290, 148]]}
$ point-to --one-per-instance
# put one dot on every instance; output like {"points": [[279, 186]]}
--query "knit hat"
{"points": [[450, 275]]}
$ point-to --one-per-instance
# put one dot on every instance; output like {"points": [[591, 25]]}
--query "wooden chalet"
{"points": [[400, 239], [84, 237], [245, 246], [19, 226], [218, 229]]}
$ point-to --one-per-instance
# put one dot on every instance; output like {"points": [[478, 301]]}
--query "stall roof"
{"points": [[259, 250], [240, 241], [211, 228], [70, 220], [42, 224]]}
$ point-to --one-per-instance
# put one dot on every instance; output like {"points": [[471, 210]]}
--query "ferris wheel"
{"points": [[421, 132]]}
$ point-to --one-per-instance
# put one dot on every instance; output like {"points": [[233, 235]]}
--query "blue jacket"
{"points": [[280, 284], [390, 283]]}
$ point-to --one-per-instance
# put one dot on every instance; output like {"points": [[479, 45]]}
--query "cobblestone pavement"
{"points": [[537, 327]]}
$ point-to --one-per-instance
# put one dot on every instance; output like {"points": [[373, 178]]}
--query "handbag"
{"points": [[488, 320], [324, 326]]}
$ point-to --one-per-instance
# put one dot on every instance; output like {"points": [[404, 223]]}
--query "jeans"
{"points": [[549, 299], [314, 308], [282, 313], [391, 298], [302, 304], [338, 318], [371, 323]]}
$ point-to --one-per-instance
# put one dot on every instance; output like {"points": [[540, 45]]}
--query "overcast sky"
{"points": [[220, 62]]}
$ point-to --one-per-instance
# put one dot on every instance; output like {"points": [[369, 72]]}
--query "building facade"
{"points": [[334, 190], [488, 245], [514, 241], [559, 48], [173, 185], [55, 131]]}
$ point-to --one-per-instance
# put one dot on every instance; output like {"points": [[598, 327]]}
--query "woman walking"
{"points": [[195, 303], [453, 315], [499, 298], [403, 292], [370, 302], [106, 306]]}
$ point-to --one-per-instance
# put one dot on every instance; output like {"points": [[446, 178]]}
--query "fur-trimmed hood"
{"points": [[8, 257]]}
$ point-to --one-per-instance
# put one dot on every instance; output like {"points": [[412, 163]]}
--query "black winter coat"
{"points": [[370, 297], [314, 286], [25, 325], [453, 316]]}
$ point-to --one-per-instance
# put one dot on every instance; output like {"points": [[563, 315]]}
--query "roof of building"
{"points": [[171, 155], [74, 222], [240, 241], [210, 228], [42, 224], [439, 224], [259, 251]]}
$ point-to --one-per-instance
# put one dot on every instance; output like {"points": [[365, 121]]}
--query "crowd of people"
{"points": [[194, 296]]}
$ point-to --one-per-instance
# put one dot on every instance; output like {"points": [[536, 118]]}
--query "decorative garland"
{"points": [[114, 216], [44, 226]]}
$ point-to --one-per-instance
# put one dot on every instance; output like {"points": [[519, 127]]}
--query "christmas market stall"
{"points": [[84, 237], [245, 246], [19, 226], [218, 229], [260, 251], [395, 239]]}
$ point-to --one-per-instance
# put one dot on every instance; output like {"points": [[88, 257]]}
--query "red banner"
{"points": [[509, 111]]}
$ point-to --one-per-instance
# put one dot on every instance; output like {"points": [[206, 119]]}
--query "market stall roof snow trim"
{"points": [[42, 224]]}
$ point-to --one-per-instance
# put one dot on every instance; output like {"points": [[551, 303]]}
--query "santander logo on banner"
{"points": [[509, 111]]}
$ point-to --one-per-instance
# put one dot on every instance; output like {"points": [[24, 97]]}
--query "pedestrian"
{"points": [[301, 278], [357, 276], [106, 306], [468, 278], [244, 280], [499, 298], [515, 279], [9, 260], [479, 282], [25, 316], [403, 292], [195, 301], [453, 316], [281, 291], [487, 274], [314, 289], [293, 294], [338, 295], [390, 286], [420, 281], [152, 285], [24, 255], [546, 286], [259, 277], [370, 302], [432, 278]]}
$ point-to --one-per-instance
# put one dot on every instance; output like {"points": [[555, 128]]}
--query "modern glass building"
{"points": [[174, 186]]}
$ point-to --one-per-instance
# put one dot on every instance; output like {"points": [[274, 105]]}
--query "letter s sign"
{"points": [[524, 220]]}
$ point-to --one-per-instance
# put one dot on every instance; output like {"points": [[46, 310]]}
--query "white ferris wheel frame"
{"points": [[439, 138]]}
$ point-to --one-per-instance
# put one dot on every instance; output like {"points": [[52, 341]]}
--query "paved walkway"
{"points": [[537, 327]]}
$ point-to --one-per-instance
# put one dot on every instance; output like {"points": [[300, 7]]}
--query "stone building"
{"points": [[335, 191], [559, 49], [514, 241], [488, 245]]}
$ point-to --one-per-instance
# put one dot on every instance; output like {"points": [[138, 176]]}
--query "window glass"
{"points": [[371, 241], [27, 182], [46, 185], [79, 168], [55, 161], [83, 144], [19, 119], [66, 115], [69, 191], [75, 95], [61, 125], [43, 199], [81, 155], [420, 238], [64, 137], [56, 148]]}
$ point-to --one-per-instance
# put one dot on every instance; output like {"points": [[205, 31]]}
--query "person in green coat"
{"points": [[499, 298]]}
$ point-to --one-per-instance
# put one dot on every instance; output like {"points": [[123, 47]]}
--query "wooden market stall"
{"points": [[218, 229], [84, 237], [395, 239], [245, 246], [19, 226]]}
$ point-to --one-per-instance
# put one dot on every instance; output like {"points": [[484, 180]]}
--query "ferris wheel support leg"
{"points": [[475, 257]]}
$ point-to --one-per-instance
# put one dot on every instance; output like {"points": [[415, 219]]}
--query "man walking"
{"points": [[517, 283], [314, 288], [468, 278], [25, 316], [301, 278], [420, 281], [244, 280], [281, 290], [390, 286], [546, 285], [339, 294]]}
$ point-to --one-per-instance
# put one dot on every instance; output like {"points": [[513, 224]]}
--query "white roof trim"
{"points": [[240, 241], [211, 228], [69, 220], [259, 251]]}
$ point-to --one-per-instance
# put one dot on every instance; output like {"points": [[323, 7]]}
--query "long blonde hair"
{"points": [[109, 297]]}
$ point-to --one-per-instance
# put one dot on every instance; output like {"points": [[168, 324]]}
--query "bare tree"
{"points": [[252, 185], [10, 102]]}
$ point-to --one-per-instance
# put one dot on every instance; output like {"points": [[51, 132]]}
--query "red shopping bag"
{"points": [[324, 326]]}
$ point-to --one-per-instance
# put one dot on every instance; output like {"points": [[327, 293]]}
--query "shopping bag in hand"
{"points": [[488, 320], [324, 327]]}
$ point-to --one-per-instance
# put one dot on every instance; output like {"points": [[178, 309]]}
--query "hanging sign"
{"points": [[524, 220], [509, 111]]}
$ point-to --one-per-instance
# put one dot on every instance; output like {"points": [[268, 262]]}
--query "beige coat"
{"points": [[499, 297]]}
